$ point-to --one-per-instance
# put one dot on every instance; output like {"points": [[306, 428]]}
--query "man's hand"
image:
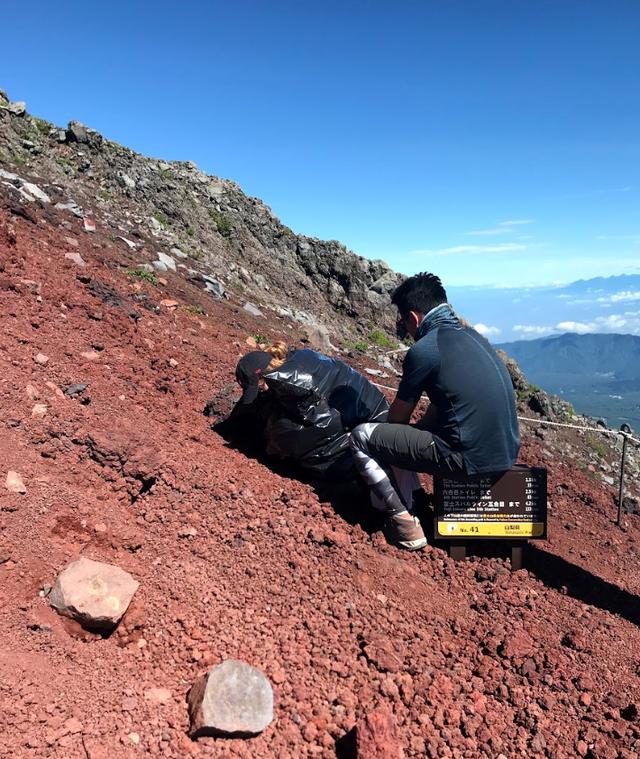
{"points": [[400, 411], [429, 420]]}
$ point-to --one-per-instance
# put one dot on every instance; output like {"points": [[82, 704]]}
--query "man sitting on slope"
{"points": [[470, 427]]}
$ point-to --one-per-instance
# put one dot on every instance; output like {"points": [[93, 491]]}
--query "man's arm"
{"points": [[400, 411]]}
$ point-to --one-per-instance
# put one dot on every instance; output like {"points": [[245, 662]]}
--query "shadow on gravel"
{"points": [[348, 497], [559, 574]]}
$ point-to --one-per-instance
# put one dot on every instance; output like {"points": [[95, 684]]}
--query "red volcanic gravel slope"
{"points": [[237, 560]]}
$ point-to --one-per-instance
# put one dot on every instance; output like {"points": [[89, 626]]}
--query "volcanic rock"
{"points": [[233, 700], [377, 736], [253, 310], [14, 483], [93, 593]]}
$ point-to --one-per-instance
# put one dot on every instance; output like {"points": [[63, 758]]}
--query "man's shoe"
{"points": [[405, 532]]}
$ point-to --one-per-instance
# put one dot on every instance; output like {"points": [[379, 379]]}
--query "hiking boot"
{"points": [[405, 532]]}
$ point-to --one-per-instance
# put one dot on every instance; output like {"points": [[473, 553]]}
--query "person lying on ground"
{"points": [[301, 405], [470, 428]]}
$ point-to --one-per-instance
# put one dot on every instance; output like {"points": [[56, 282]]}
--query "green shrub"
{"points": [[222, 222], [379, 338], [361, 346], [145, 276], [598, 445]]}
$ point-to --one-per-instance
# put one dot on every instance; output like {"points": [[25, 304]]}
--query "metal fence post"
{"points": [[621, 491]]}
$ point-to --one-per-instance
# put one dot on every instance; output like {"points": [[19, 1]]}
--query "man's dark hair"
{"points": [[420, 293]]}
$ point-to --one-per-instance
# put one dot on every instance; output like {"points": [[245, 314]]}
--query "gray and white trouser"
{"points": [[388, 456]]}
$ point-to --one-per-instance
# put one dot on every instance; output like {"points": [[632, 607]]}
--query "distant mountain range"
{"points": [[603, 304], [598, 373]]}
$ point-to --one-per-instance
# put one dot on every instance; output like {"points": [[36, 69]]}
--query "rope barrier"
{"points": [[626, 437], [602, 430]]}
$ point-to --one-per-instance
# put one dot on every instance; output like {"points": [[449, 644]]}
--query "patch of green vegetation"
{"points": [[145, 276], [379, 338], [260, 339], [165, 173], [598, 445], [189, 230], [104, 194], [196, 310], [62, 161], [44, 127], [162, 220], [527, 392], [19, 160], [361, 346], [222, 222]]}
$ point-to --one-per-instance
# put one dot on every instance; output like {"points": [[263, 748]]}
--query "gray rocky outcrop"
{"points": [[225, 234]]}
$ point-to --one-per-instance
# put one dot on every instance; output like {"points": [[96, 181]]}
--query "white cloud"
{"points": [[625, 295], [485, 330], [580, 327], [531, 329], [503, 228], [474, 250], [613, 322], [490, 232]]}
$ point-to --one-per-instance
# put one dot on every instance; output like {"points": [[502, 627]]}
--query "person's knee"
{"points": [[360, 436]]}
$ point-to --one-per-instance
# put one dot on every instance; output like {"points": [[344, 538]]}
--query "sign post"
{"points": [[508, 506]]}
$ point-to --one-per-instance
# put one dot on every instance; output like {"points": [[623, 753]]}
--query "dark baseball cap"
{"points": [[248, 372]]}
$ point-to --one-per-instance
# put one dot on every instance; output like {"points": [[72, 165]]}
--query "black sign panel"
{"points": [[511, 505]]}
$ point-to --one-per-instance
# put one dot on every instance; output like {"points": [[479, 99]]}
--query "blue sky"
{"points": [[491, 141]]}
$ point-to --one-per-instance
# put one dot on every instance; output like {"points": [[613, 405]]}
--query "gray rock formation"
{"points": [[226, 235]]}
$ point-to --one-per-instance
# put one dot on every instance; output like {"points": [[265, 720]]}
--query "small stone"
{"points": [[77, 132], [168, 262], [73, 391], [377, 736], [173, 363], [55, 389], [90, 355], [89, 225], [187, 532], [93, 593], [170, 304], [253, 310], [39, 411], [73, 725], [32, 393], [14, 483], [251, 342], [158, 695], [585, 699], [233, 700], [41, 359], [76, 258], [518, 646], [134, 738], [17, 108]]}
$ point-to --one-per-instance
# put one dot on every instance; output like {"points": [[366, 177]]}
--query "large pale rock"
{"points": [[377, 736], [14, 483], [233, 700], [93, 593]]}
